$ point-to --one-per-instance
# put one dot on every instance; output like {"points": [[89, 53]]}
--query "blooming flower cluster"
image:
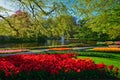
{"points": [[117, 42], [110, 42], [53, 64], [107, 49], [60, 49], [13, 51]]}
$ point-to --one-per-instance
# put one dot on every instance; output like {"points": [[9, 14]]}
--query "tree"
{"points": [[53, 18], [21, 21], [101, 16], [2, 9], [107, 22], [61, 25]]}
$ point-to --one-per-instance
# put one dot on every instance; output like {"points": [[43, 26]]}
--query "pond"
{"points": [[48, 43], [22, 45]]}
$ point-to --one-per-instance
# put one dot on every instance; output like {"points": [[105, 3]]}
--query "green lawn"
{"points": [[99, 57], [102, 57], [107, 61]]}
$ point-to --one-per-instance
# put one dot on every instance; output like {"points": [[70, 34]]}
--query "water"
{"points": [[23, 45], [48, 43]]}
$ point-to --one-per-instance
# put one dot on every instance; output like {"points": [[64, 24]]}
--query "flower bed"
{"points": [[117, 42], [53, 67], [107, 49], [114, 46], [60, 49], [109, 43], [13, 51]]}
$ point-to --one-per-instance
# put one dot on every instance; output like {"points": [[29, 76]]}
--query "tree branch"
{"points": [[46, 13], [11, 26]]}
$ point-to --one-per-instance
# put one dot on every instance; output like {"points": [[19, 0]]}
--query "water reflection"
{"points": [[22, 45], [50, 43]]}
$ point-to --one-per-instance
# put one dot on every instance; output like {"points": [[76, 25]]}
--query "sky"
{"points": [[12, 6], [8, 5]]}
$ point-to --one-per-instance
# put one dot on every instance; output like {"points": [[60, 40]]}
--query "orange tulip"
{"points": [[60, 49]]}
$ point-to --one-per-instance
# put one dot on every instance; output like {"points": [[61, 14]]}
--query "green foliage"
{"points": [[85, 33], [107, 21], [101, 16], [52, 19], [63, 25]]}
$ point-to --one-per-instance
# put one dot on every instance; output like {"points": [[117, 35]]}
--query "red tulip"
{"points": [[116, 70], [111, 67], [101, 65]]}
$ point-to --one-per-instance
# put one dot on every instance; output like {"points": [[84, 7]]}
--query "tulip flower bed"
{"points": [[107, 49], [60, 49], [13, 51], [117, 42], [54, 67]]}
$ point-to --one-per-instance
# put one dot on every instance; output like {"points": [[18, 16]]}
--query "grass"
{"points": [[107, 61], [102, 57]]}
